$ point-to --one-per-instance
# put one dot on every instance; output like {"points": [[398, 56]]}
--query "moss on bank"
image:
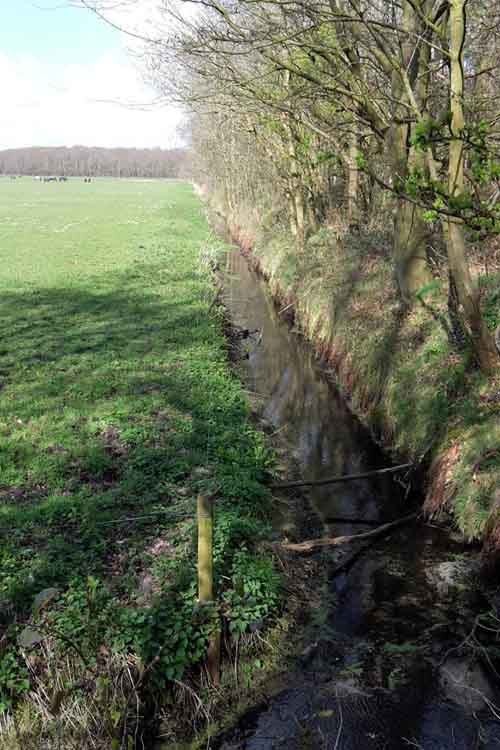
{"points": [[397, 367]]}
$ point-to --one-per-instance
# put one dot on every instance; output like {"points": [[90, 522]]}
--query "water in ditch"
{"points": [[393, 659]]}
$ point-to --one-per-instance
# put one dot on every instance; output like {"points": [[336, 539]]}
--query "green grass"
{"points": [[117, 403]]}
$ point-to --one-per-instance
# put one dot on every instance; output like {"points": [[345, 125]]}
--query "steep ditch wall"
{"points": [[396, 367]]}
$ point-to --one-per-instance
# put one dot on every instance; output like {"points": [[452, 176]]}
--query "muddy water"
{"points": [[382, 666]]}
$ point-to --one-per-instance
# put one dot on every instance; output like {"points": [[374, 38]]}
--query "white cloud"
{"points": [[96, 105]]}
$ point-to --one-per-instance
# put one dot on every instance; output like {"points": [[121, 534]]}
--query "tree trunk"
{"points": [[296, 199], [468, 298], [295, 188], [467, 289], [353, 182], [312, 218], [300, 215], [292, 218], [409, 248], [410, 232]]}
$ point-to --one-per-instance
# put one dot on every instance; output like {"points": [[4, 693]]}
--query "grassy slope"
{"points": [[398, 369], [114, 391]]}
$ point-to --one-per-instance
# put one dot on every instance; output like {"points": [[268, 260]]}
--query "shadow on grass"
{"points": [[111, 398], [50, 325]]}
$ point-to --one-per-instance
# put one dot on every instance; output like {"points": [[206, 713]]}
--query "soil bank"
{"points": [[395, 366]]}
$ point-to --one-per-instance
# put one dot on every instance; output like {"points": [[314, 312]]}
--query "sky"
{"points": [[66, 79]]}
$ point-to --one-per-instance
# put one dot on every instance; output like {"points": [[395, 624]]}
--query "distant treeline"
{"points": [[80, 161]]}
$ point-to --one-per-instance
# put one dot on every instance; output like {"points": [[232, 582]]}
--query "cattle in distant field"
{"points": [[50, 179], [87, 179], [62, 179]]}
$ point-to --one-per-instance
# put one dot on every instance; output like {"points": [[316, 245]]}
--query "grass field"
{"points": [[117, 406]]}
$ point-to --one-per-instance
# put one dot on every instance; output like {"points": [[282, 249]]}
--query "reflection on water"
{"points": [[385, 596], [323, 436]]}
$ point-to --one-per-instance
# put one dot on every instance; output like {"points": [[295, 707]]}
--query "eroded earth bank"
{"points": [[396, 638]]}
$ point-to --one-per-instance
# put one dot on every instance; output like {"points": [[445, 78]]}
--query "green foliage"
{"points": [[429, 289], [324, 156], [176, 635], [255, 594], [14, 679], [480, 216], [80, 620], [476, 471], [491, 305], [304, 146], [429, 131], [430, 216], [361, 161], [233, 530]]}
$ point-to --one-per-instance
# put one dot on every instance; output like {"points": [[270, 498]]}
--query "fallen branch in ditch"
{"points": [[334, 480], [312, 544]]}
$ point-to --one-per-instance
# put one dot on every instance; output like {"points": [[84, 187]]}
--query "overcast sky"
{"points": [[66, 79]]}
